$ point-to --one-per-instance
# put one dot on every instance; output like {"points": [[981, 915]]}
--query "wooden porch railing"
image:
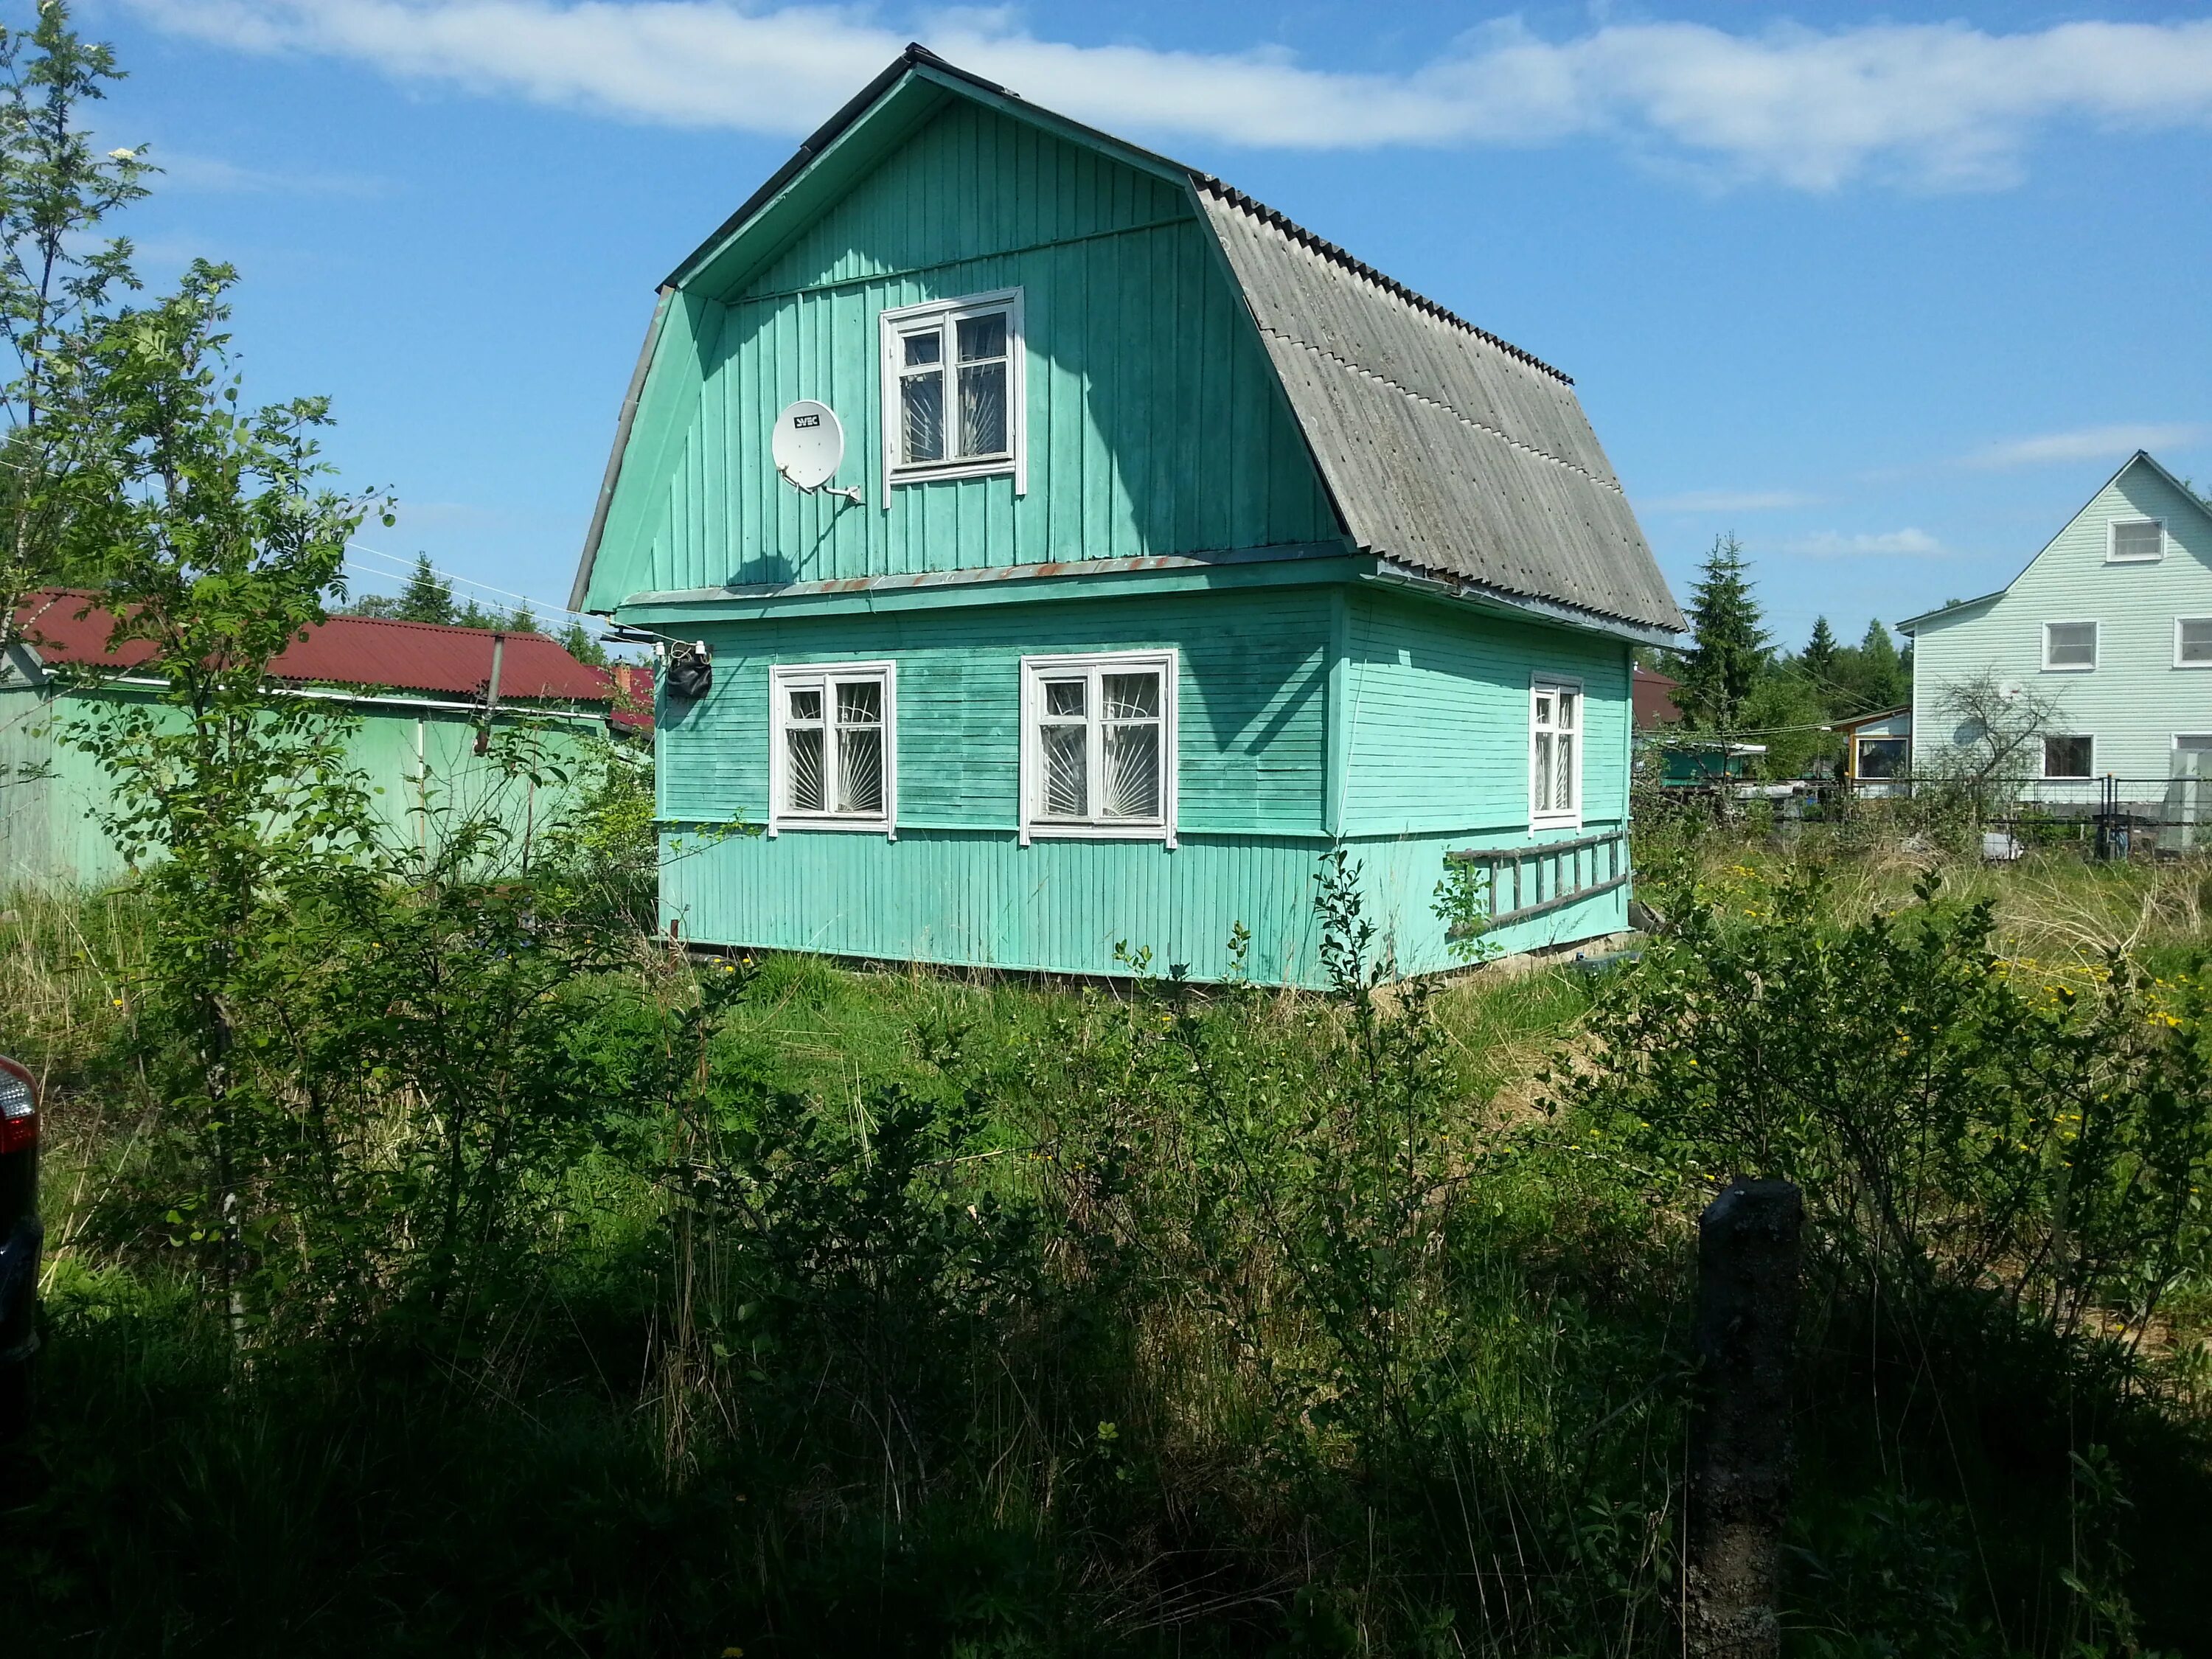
{"points": [[1540, 877]]}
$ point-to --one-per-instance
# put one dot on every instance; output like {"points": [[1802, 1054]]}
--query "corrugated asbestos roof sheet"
{"points": [[1447, 450], [357, 651]]}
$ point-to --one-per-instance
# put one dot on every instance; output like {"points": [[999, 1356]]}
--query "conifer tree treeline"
{"points": [[1734, 684], [429, 598]]}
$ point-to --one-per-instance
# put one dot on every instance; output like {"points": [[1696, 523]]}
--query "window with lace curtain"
{"points": [[1098, 745], [833, 759], [953, 390], [1555, 758]]}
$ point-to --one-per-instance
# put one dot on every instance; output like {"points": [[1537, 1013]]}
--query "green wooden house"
{"points": [[423, 700], [1172, 548]]}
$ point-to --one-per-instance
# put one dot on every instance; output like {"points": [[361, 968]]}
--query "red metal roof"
{"points": [[361, 651], [1653, 699]]}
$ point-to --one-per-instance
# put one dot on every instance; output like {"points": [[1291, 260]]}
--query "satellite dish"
{"points": [[808, 446]]}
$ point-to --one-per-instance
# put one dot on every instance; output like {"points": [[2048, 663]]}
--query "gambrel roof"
{"points": [[1449, 454]]}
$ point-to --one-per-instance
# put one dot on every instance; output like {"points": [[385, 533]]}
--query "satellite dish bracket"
{"points": [[849, 492]]}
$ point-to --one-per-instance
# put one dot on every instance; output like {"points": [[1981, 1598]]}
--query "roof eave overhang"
{"points": [[1523, 606], [1941, 611]]}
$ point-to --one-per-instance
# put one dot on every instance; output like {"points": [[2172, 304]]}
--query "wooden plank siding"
{"points": [[1156, 425], [51, 793], [2135, 701], [972, 898], [1252, 691], [1437, 708], [1258, 721]]}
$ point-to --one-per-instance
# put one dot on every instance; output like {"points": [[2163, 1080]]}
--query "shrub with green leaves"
{"points": [[1957, 1120]]}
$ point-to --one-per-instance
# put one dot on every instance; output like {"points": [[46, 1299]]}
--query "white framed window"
{"points": [[2070, 646], [1555, 751], [2069, 755], [833, 747], [953, 405], [2135, 541], [2192, 642], [1098, 746]]}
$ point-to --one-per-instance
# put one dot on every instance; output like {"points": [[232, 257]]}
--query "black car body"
{"points": [[21, 1239]]}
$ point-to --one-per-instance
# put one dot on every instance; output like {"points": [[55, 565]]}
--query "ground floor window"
{"points": [[1098, 745], [2073, 756], [1881, 758], [1555, 760], [833, 759]]}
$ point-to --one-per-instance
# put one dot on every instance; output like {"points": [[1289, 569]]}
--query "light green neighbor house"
{"points": [[422, 699], [2111, 626], [1172, 548]]}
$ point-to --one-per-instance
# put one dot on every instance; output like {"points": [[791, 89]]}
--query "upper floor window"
{"points": [[1098, 745], [833, 763], [2192, 642], [2135, 541], [2069, 645], [953, 390], [1555, 758]]}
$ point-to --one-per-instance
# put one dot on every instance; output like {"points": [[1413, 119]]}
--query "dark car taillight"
{"points": [[19, 1108]]}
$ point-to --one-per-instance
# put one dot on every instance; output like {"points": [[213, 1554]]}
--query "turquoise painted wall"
{"points": [[1253, 690], [974, 898], [2136, 701], [1437, 712], [1266, 701], [51, 794], [1156, 423]]}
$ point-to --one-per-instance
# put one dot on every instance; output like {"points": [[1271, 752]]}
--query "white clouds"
{"points": [[1937, 106], [2111, 444], [188, 170], [1728, 500], [1832, 545]]}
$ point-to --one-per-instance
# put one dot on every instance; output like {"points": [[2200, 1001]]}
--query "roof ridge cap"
{"points": [[1277, 220]]}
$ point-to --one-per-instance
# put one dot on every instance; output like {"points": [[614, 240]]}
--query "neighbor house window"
{"points": [[2068, 756], [2069, 645], [1881, 758], [1098, 745], [2136, 540], [953, 390], [1555, 758], [834, 763], [2192, 642]]}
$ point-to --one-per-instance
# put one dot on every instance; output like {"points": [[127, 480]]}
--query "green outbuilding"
{"points": [[1053, 553], [425, 703]]}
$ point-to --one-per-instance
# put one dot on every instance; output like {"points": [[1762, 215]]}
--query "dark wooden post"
{"points": [[1748, 1244]]}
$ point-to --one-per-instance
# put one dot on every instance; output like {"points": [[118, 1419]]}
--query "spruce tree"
{"points": [[1819, 657], [425, 598], [1883, 681], [1728, 654]]}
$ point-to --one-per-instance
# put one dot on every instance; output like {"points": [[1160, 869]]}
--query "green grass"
{"points": [[1097, 1372]]}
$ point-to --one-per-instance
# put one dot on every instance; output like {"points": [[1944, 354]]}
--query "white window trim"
{"points": [[2177, 660], [2113, 555], [780, 677], [1036, 827], [1555, 820], [2096, 646], [891, 324], [2048, 776]]}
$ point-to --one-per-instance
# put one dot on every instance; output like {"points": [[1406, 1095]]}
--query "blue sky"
{"points": [[1888, 294]]}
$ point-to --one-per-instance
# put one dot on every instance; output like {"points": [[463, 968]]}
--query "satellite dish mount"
{"points": [[807, 447]]}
